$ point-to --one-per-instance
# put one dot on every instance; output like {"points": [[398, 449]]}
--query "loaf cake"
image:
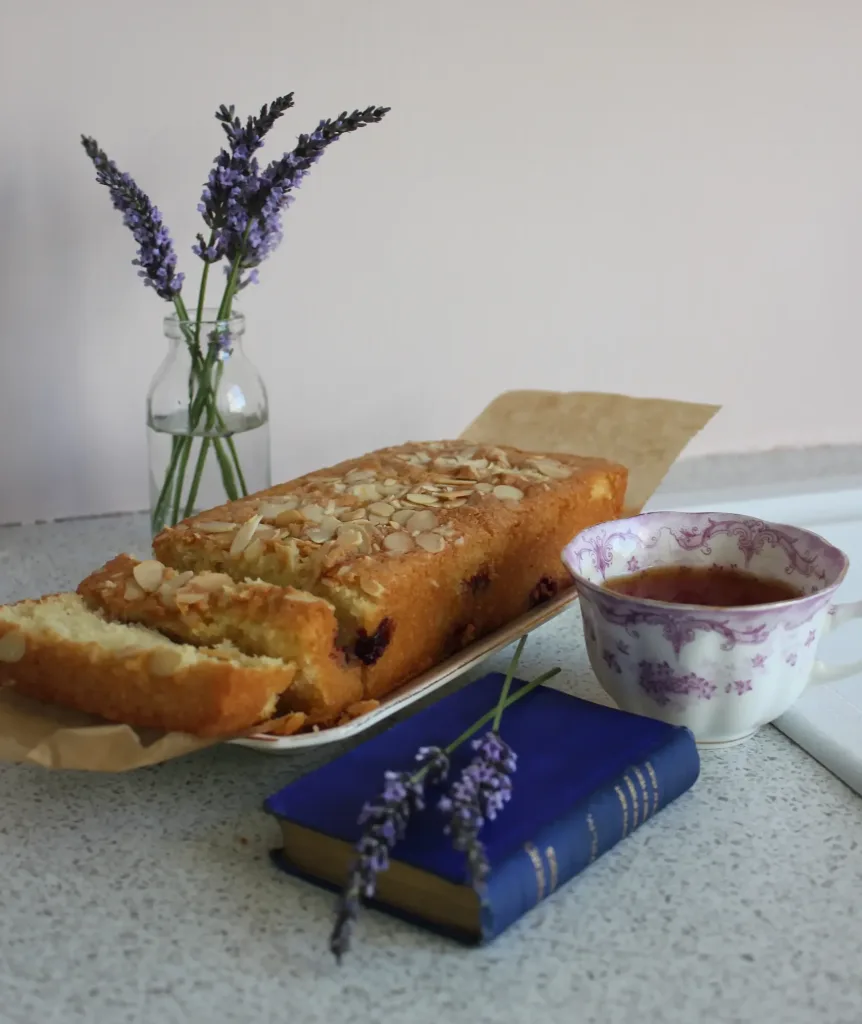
{"points": [[419, 549], [57, 649], [255, 617], [299, 607]]}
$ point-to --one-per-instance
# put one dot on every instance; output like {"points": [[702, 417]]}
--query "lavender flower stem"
{"points": [[488, 716], [201, 296], [196, 479], [483, 721], [230, 287], [507, 683]]}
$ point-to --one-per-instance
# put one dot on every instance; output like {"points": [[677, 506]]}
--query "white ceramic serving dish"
{"points": [[421, 686]]}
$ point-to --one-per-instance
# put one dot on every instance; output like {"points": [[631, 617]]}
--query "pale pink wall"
{"points": [[663, 198]]}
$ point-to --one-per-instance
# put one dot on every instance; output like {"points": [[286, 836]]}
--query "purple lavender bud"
{"points": [[156, 256], [235, 174], [266, 194], [476, 796], [384, 823]]}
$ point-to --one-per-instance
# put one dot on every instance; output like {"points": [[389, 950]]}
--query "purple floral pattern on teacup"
{"points": [[663, 684], [721, 671], [739, 687], [680, 628], [611, 660], [599, 546]]}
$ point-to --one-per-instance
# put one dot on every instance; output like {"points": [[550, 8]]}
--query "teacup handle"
{"points": [[841, 613]]}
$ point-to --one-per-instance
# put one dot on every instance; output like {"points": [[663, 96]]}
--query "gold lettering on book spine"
{"points": [[539, 868], [550, 853], [594, 838], [654, 782], [634, 797], [644, 791], [625, 808]]}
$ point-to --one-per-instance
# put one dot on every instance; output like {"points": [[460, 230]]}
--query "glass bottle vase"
{"points": [[207, 420]]}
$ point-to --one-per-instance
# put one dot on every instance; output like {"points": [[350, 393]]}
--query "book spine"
{"points": [[571, 843]]}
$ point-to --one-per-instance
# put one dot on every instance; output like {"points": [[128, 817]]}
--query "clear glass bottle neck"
{"points": [[208, 336]]}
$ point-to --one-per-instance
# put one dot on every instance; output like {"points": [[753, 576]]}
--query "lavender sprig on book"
{"points": [[242, 206], [479, 793]]}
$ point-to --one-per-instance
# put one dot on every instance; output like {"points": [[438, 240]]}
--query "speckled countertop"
{"points": [[150, 897]]}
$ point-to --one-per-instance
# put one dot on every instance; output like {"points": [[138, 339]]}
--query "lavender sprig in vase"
{"points": [[207, 408]]}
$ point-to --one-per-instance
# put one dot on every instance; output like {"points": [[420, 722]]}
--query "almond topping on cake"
{"points": [[149, 575]]}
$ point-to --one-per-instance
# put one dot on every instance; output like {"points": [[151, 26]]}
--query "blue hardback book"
{"points": [[587, 777]]}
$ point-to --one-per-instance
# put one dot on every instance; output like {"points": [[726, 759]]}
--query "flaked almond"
{"points": [[168, 589], [13, 647], [463, 492], [359, 476], [313, 513], [457, 503], [243, 535], [402, 515], [351, 536], [210, 582], [452, 481], [551, 468], [189, 595], [254, 550], [149, 575], [365, 492], [390, 488], [381, 508], [484, 488], [164, 661], [133, 592], [372, 587], [324, 531], [420, 498], [506, 491], [446, 462], [285, 500], [421, 522], [351, 514], [272, 510], [214, 526], [398, 543], [288, 516], [432, 542], [445, 530]]}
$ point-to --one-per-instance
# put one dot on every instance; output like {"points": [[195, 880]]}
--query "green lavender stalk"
{"points": [[384, 819]]}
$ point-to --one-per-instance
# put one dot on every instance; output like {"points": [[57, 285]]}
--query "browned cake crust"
{"points": [[257, 618], [420, 548], [58, 650]]}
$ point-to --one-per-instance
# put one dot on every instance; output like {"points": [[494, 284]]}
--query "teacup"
{"points": [[721, 671]]}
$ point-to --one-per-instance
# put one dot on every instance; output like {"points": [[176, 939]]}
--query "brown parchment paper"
{"points": [[645, 435]]}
